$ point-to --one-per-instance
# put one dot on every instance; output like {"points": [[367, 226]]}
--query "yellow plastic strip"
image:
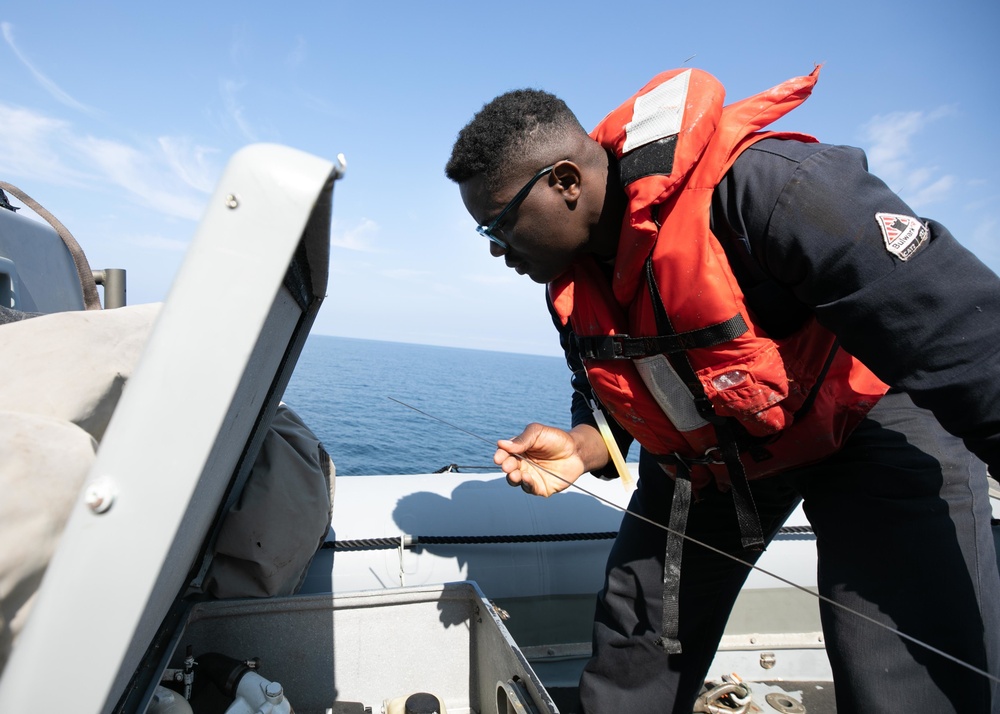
{"points": [[616, 454]]}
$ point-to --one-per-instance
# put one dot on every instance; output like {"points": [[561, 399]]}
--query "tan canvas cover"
{"points": [[60, 378]]}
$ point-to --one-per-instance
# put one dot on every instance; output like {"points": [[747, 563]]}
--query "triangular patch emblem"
{"points": [[903, 235]]}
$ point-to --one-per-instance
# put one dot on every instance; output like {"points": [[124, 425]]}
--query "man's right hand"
{"points": [[557, 457]]}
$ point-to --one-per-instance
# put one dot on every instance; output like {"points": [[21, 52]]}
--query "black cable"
{"points": [[389, 543]]}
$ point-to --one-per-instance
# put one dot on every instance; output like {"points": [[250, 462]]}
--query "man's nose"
{"points": [[497, 250]]}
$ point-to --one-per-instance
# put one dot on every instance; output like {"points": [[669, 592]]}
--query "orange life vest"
{"points": [[795, 399]]}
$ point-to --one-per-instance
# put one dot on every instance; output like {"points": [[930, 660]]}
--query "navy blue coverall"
{"points": [[901, 513]]}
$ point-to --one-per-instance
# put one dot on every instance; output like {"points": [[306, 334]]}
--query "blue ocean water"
{"points": [[341, 387]]}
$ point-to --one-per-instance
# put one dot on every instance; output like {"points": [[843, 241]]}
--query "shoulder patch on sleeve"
{"points": [[902, 234]]}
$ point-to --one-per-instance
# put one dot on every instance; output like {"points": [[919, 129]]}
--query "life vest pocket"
{"points": [[753, 390]]}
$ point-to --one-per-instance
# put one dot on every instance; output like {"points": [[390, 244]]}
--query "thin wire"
{"points": [[717, 551]]}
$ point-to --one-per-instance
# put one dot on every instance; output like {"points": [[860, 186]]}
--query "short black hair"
{"points": [[506, 129]]}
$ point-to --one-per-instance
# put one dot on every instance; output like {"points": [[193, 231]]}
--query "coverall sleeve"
{"points": [[928, 325]]}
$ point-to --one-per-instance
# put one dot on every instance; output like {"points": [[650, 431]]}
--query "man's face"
{"points": [[543, 233]]}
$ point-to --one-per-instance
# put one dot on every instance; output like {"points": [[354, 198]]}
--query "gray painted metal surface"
{"points": [[37, 273], [373, 646], [184, 433]]}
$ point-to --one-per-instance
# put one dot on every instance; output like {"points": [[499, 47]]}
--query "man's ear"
{"points": [[568, 180]]}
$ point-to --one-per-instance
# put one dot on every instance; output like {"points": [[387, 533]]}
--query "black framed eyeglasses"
{"points": [[487, 231]]}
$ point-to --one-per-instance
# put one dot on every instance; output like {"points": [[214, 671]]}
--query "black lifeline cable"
{"points": [[390, 543]]}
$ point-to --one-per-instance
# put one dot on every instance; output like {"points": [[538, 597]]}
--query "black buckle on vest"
{"points": [[603, 347], [712, 455]]}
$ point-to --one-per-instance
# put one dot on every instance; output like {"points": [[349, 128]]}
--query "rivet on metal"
{"points": [[100, 495], [767, 660], [232, 201]]}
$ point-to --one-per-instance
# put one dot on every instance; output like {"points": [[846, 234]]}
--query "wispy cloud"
{"points": [[167, 176], [234, 110], [128, 168], [191, 162], [361, 236], [47, 84], [33, 147], [892, 157], [932, 192]]}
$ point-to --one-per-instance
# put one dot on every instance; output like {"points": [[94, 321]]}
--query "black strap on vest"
{"points": [[680, 506], [726, 429], [624, 347], [751, 533]]}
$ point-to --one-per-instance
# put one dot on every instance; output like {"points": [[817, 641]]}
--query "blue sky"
{"points": [[119, 117]]}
